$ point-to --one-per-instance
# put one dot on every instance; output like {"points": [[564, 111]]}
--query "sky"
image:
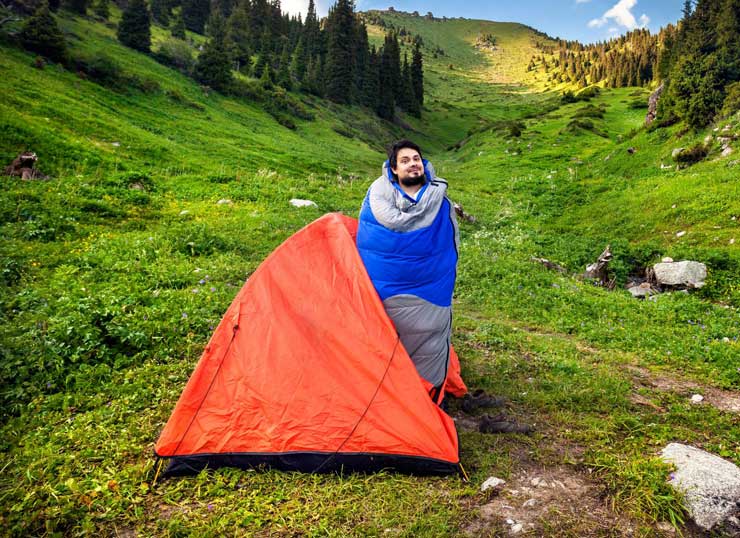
{"points": [[584, 20]]}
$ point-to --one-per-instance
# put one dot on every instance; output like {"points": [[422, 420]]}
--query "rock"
{"points": [[653, 104], [224, 201], [674, 206], [697, 398], [296, 202], [492, 483], [516, 529], [685, 274], [681, 233], [726, 151], [529, 503], [667, 260], [710, 485], [666, 166], [707, 139], [631, 150], [115, 144], [641, 291], [676, 152]]}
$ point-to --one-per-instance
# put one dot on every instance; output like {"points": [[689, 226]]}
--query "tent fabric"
{"points": [[306, 372]]}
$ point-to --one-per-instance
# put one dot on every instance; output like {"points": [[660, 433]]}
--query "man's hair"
{"points": [[398, 146]]}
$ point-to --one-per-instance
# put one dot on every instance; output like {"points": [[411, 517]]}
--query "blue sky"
{"points": [[584, 20]]}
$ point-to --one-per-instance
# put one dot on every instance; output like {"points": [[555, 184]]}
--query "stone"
{"points": [[676, 152], [296, 202], [726, 151], [641, 291], [685, 274], [681, 233], [492, 483], [667, 260], [666, 166], [529, 503], [516, 529], [653, 104], [224, 201], [697, 398], [710, 485], [631, 150]]}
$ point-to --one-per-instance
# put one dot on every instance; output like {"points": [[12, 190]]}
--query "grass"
{"points": [[115, 273]]}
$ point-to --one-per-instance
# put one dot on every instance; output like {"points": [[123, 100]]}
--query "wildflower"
{"points": [[213, 289], [184, 315], [202, 281]]}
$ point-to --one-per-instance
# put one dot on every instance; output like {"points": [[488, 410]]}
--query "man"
{"points": [[408, 239]]}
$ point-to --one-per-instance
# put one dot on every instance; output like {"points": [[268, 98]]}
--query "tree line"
{"points": [[330, 58], [697, 60]]}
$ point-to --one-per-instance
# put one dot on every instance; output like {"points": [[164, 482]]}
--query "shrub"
{"points": [[588, 93], [691, 155], [41, 34], [731, 103], [175, 53], [98, 67], [589, 111], [568, 97]]}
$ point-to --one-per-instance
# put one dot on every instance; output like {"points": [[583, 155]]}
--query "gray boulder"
{"points": [[686, 274], [710, 485]]}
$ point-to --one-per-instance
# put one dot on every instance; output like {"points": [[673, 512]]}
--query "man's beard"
{"points": [[413, 181]]}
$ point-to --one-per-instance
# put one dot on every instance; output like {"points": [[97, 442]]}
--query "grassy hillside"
{"points": [[164, 199]]}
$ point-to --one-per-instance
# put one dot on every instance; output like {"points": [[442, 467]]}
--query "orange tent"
{"points": [[306, 372]]}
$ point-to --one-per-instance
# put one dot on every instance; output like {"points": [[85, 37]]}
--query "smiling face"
{"points": [[409, 168]]}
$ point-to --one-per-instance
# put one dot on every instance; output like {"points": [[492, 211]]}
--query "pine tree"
{"points": [[266, 78], [134, 30], [161, 11], [371, 81], [102, 9], [728, 40], [178, 25], [298, 62], [339, 64], [312, 40], [386, 92], [417, 74], [282, 78], [237, 36], [41, 34], [213, 67], [78, 6], [195, 13], [361, 59], [410, 104]]}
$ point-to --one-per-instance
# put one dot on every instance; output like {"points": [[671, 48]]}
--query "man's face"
{"points": [[409, 168]]}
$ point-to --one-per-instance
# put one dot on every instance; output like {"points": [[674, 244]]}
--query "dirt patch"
{"points": [[550, 501], [724, 400]]}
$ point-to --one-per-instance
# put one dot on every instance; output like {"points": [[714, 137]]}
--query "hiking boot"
{"points": [[499, 424], [480, 400]]}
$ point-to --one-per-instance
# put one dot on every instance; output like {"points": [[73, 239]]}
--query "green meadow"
{"points": [[165, 198]]}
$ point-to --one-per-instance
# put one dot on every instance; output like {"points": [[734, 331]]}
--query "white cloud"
{"points": [[621, 14]]}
